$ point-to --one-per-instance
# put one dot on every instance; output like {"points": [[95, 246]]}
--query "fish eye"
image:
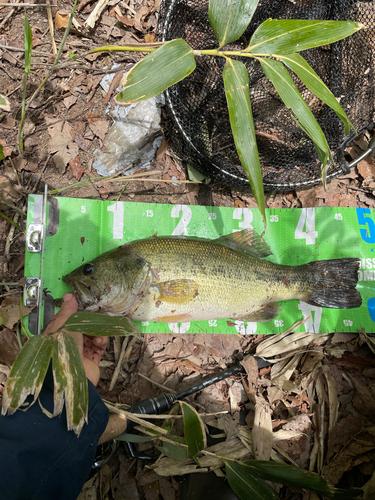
{"points": [[88, 269]]}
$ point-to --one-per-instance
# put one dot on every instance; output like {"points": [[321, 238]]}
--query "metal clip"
{"points": [[340, 150], [31, 292], [34, 238]]}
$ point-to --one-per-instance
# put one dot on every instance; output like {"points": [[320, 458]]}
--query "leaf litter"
{"points": [[317, 400]]}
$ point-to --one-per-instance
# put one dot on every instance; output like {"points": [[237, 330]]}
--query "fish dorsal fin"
{"points": [[247, 241]]}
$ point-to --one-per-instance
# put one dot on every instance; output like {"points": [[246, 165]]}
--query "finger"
{"points": [[97, 344], [100, 342], [68, 307]]}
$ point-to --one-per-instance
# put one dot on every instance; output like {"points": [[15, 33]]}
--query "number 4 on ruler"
{"points": [[308, 218]]}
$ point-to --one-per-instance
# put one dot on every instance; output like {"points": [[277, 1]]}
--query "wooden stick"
{"points": [[124, 355], [8, 16], [50, 22], [17, 49], [26, 5]]}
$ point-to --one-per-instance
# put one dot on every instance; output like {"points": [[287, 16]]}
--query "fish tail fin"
{"points": [[335, 283]]}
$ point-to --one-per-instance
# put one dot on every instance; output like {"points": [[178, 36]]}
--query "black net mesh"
{"points": [[198, 126]]}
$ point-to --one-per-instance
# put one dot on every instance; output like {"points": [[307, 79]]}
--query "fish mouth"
{"points": [[81, 292]]}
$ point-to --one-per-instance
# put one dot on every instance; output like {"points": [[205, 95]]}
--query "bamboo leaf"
{"points": [[195, 434], [70, 379], [96, 324], [2, 157], [289, 475], [236, 81], [164, 67], [133, 438], [4, 103], [174, 451], [293, 35], [27, 373], [28, 45], [313, 82], [230, 19], [288, 92], [245, 485]]}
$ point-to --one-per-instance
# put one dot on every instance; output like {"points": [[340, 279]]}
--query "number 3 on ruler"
{"points": [[181, 227], [247, 218], [310, 235]]}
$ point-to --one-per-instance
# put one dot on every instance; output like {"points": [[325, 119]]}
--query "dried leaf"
{"points": [[10, 312], [76, 168], [99, 128], [332, 399], [8, 192], [9, 347], [230, 449], [358, 450], [262, 431], [61, 145], [70, 100]]}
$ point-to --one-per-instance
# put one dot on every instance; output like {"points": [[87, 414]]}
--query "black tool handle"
{"points": [[153, 406]]}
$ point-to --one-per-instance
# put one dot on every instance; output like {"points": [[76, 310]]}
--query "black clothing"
{"points": [[39, 458]]}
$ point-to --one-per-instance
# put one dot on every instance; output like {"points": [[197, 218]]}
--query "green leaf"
{"points": [[174, 451], [28, 45], [195, 434], [289, 475], [133, 438], [164, 67], [68, 370], [293, 35], [2, 157], [27, 373], [196, 176], [97, 324], [229, 19], [312, 81], [245, 485], [288, 92], [236, 81], [4, 103]]}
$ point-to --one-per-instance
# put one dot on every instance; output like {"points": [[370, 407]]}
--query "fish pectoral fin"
{"points": [[247, 241], [177, 291], [265, 313]]}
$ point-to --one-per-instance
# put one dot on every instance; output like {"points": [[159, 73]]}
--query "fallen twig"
{"points": [[50, 22], [26, 5], [124, 355], [18, 49]]}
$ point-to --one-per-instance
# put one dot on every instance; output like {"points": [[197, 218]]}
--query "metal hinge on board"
{"points": [[35, 241], [31, 292]]}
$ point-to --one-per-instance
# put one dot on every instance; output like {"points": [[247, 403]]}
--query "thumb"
{"points": [[68, 307]]}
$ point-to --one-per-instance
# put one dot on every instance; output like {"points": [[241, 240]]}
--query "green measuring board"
{"points": [[83, 229]]}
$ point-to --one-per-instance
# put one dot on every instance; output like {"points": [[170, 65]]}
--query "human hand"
{"points": [[90, 348]]}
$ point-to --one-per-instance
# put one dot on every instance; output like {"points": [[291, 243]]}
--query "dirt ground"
{"points": [[320, 402]]}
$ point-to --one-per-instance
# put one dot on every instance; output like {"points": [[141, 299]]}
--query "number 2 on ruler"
{"points": [[308, 218]]}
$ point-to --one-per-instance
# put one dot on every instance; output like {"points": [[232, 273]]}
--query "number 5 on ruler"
{"points": [[308, 218]]}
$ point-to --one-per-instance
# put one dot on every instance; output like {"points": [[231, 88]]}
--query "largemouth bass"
{"points": [[188, 279]]}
